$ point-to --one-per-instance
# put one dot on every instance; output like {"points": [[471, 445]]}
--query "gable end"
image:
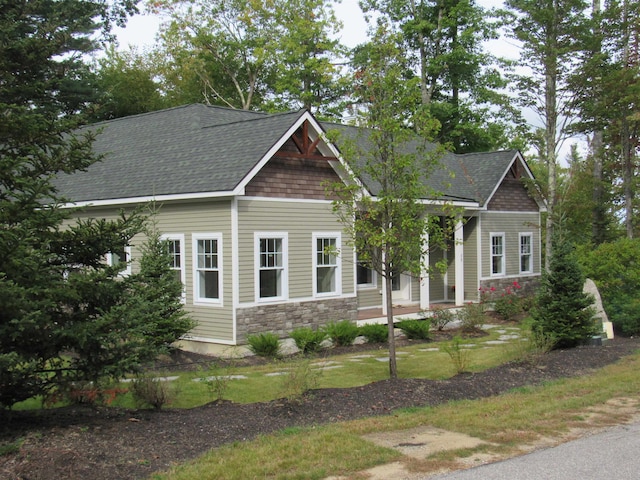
{"points": [[512, 195]]}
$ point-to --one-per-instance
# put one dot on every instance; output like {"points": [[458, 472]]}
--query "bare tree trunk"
{"points": [[551, 125], [393, 367], [598, 213]]}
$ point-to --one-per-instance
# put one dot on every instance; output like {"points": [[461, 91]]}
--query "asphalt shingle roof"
{"points": [[469, 177], [191, 149], [199, 149]]}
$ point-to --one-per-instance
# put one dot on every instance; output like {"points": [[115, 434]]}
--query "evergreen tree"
{"points": [[65, 315], [563, 311]]}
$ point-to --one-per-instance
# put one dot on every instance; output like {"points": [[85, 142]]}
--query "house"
{"points": [[243, 206]]}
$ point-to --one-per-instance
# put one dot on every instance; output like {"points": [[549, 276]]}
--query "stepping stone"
{"points": [[220, 377], [495, 342], [361, 356], [428, 349], [382, 359], [322, 364], [402, 353], [508, 337], [331, 367], [156, 379], [276, 374]]}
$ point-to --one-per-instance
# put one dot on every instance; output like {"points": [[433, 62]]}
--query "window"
{"points": [[497, 254], [327, 264], [207, 252], [526, 253], [175, 246], [121, 257], [271, 266]]}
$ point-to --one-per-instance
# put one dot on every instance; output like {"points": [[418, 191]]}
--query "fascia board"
{"points": [[147, 199]]}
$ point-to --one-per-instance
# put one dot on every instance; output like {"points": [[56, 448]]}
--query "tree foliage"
{"points": [[458, 81], [615, 268], [563, 311], [65, 315], [126, 84], [381, 207], [253, 55]]}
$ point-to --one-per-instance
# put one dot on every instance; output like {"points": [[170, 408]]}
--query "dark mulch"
{"points": [[104, 443]]}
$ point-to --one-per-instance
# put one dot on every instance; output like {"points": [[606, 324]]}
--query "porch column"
{"points": [[424, 278], [459, 261], [383, 289]]}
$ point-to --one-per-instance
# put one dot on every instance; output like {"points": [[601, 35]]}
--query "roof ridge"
{"points": [[128, 117], [265, 117]]}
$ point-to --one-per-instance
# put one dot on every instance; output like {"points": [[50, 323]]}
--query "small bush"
{"points": [[299, 379], [148, 391], [415, 329], [375, 332], [343, 333], [441, 317], [217, 379], [308, 340], [472, 317], [459, 355], [264, 344]]}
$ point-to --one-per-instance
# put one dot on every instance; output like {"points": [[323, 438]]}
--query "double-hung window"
{"points": [[175, 248], [122, 258], [271, 266], [207, 266], [526, 253], [497, 254], [327, 268]]}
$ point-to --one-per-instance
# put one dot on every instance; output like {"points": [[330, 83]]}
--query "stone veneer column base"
{"points": [[282, 318]]}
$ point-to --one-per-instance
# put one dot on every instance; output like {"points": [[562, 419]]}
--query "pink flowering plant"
{"points": [[506, 303]]}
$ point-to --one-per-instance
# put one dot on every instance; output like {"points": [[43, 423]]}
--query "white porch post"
{"points": [[383, 289], [459, 261], [424, 278]]}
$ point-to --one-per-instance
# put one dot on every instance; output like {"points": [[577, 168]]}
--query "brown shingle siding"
{"points": [[512, 196], [292, 178]]}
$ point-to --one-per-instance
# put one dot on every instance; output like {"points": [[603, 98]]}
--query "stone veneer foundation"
{"points": [[281, 318], [529, 284]]}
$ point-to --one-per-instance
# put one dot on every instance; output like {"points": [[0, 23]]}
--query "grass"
{"points": [[259, 387], [507, 421]]}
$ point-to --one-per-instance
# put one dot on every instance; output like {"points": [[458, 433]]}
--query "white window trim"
{"points": [[338, 272], [183, 264], [127, 270], [520, 237], [284, 236], [493, 235], [197, 300]]}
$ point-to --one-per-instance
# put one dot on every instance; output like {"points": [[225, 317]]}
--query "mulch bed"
{"points": [[106, 443]]}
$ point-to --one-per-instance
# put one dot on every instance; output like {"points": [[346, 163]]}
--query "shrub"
{"points": [[506, 303], [415, 329], [217, 379], [343, 333], [308, 340], [299, 380], [471, 317], [459, 355], [441, 317], [615, 268], [148, 391], [563, 311], [375, 332], [264, 344]]}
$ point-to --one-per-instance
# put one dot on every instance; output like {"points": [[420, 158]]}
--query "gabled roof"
{"points": [[184, 150], [199, 150], [470, 177]]}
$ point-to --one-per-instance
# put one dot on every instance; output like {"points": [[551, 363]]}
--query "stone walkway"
{"points": [[506, 335]]}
